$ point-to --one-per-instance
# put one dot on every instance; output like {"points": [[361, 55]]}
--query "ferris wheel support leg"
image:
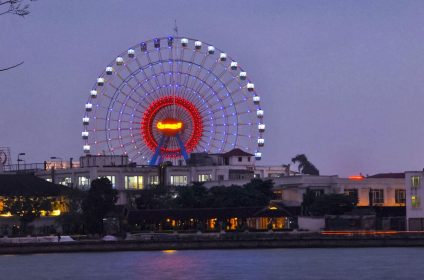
{"points": [[157, 152], [181, 144]]}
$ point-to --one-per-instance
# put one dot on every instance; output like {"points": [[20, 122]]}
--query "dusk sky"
{"points": [[341, 81]]}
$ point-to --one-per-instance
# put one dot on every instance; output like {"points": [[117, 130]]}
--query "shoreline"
{"points": [[232, 241]]}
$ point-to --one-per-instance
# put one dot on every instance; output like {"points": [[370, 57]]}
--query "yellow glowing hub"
{"points": [[172, 126]]}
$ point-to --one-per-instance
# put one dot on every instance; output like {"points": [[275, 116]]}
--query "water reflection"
{"points": [[340, 264]]}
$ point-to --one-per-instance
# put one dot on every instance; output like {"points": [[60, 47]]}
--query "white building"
{"points": [[212, 169], [414, 194]]}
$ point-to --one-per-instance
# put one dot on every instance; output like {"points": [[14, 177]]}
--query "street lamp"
{"points": [[19, 158]]}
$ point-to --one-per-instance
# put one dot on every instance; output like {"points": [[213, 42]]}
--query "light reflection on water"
{"points": [[340, 264]]}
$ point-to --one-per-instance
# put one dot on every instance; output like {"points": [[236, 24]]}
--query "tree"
{"points": [[27, 208], [308, 199], [256, 193], [332, 204], [100, 200], [14, 7], [304, 165], [71, 219], [195, 196], [157, 197]]}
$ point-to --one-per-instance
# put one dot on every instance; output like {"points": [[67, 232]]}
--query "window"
{"points": [[220, 177], [415, 201], [83, 182], [317, 193], [134, 182], [204, 177], [111, 179], [376, 196], [66, 181], [248, 159], [257, 175], [352, 193], [400, 196], [179, 180], [240, 159], [154, 180], [415, 181]]}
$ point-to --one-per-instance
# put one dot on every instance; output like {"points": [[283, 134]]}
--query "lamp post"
{"points": [[19, 158], [58, 158]]}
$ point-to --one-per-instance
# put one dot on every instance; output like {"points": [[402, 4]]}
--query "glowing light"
{"points": [[172, 126], [169, 251], [356, 177]]}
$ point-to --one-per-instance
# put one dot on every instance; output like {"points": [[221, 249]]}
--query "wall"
{"points": [[311, 223]]}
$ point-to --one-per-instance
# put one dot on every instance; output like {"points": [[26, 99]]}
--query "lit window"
{"points": [[154, 180], [204, 177], [134, 182], [83, 182], [415, 181], [376, 196], [179, 180], [111, 179], [400, 196], [415, 201], [66, 181]]}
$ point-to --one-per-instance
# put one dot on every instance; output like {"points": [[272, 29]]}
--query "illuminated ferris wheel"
{"points": [[168, 97]]}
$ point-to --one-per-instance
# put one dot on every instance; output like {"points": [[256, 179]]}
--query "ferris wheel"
{"points": [[168, 97]]}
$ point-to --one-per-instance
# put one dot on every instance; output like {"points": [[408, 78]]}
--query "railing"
{"points": [[33, 167], [24, 167]]}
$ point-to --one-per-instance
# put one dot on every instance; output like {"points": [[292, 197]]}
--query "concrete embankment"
{"points": [[223, 241]]}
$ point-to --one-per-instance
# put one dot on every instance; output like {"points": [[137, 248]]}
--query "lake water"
{"points": [[340, 264]]}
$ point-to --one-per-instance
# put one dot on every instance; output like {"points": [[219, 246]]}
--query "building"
{"points": [[23, 190], [414, 194], [234, 166], [381, 191], [387, 190]]}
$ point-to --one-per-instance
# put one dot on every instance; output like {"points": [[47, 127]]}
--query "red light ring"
{"points": [[155, 107]]}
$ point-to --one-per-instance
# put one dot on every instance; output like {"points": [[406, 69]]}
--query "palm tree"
{"points": [[304, 165]]}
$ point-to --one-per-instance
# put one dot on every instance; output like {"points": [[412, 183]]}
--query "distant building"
{"points": [[378, 190], [235, 166], [14, 186], [414, 194]]}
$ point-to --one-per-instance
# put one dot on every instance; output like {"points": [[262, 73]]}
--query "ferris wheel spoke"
{"points": [[162, 68], [153, 71], [208, 144], [148, 72], [190, 66]]}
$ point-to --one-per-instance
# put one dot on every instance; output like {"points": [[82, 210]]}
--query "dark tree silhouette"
{"points": [[332, 204], [14, 7], [100, 200], [304, 165]]}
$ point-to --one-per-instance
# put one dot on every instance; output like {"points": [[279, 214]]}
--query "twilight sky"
{"points": [[341, 81]]}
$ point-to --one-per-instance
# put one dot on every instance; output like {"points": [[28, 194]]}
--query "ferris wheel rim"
{"points": [[139, 70]]}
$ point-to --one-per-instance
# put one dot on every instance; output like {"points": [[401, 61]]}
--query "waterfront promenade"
{"points": [[148, 242]]}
